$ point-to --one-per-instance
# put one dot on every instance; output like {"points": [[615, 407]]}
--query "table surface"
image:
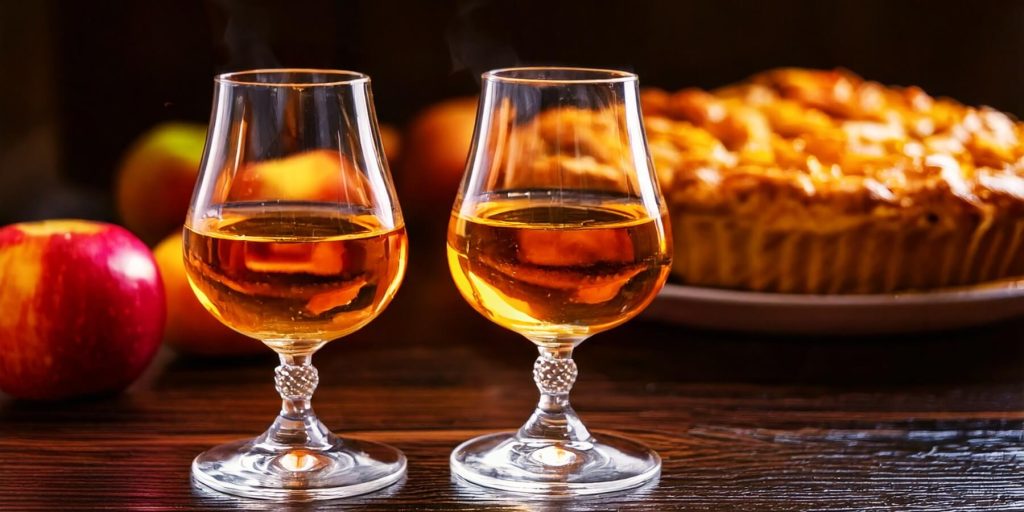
{"points": [[923, 422]]}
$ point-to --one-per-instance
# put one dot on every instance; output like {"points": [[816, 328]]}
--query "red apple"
{"points": [[81, 308], [191, 328]]}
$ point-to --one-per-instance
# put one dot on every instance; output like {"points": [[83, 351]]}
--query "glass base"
{"points": [[504, 461], [259, 469]]}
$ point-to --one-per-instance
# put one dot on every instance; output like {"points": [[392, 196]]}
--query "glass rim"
{"points": [[344, 77], [611, 76]]}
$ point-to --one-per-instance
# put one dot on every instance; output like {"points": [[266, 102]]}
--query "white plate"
{"points": [[735, 310]]}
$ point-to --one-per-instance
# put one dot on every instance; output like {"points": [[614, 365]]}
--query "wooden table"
{"points": [[927, 422]]}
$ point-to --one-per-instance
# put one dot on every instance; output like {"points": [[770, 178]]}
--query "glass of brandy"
{"points": [[558, 233], [295, 238]]}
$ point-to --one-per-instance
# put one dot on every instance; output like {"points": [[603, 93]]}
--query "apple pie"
{"points": [[820, 182]]}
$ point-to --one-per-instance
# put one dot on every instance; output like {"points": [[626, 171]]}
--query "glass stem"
{"points": [[554, 420], [297, 425]]}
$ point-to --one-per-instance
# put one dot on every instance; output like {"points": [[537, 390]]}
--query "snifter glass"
{"points": [[295, 238], [558, 233]]}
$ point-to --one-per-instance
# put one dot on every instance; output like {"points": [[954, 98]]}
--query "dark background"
{"points": [[83, 78]]}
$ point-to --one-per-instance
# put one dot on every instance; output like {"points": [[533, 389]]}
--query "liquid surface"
{"points": [[294, 275], [558, 273]]}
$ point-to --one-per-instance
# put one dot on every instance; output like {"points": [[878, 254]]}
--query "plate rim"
{"points": [[998, 290]]}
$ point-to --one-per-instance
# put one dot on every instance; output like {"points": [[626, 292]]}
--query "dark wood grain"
{"points": [[930, 422]]}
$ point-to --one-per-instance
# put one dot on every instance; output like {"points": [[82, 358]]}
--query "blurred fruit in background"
{"points": [[158, 171], [391, 139], [190, 328], [434, 154], [315, 175], [83, 308], [155, 180]]}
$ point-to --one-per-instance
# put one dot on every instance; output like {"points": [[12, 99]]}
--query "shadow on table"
{"points": [[989, 354]]}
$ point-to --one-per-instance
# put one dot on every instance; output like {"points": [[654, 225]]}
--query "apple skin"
{"points": [[82, 308], [155, 180], [191, 329]]}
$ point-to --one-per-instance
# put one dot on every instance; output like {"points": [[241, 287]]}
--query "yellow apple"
{"points": [[190, 328], [318, 175], [156, 176]]}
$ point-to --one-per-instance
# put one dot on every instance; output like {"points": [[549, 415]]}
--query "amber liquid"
{"points": [[294, 275], [561, 271]]}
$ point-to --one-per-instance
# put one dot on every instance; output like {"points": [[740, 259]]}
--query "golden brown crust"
{"points": [[831, 138], [821, 182]]}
